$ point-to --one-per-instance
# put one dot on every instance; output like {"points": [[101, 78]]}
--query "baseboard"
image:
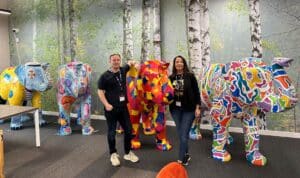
{"points": [[203, 126]]}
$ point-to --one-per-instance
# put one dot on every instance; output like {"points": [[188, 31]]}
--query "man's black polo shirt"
{"points": [[114, 85]]}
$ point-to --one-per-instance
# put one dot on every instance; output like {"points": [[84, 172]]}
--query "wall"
{"points": [[4, 40], [99, 33]]}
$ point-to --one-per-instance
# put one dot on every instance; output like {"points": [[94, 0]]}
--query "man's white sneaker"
{"points": [[114, 159], [131, 157]]}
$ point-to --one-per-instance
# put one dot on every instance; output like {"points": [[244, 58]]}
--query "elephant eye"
{"points": [[259, 75], [249, 75]]}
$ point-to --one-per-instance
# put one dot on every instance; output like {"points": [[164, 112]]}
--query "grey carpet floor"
{"points": [[87, 156]]}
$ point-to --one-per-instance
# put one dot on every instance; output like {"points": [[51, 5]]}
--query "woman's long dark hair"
{"points": [[185, 66]]}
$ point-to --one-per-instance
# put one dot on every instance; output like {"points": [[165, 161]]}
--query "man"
{"points": [[112, 93]]}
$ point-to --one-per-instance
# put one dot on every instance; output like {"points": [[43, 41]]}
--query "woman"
{"points": [[186, 105]]}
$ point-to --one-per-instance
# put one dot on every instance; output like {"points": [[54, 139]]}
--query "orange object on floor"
{"points": [[172, 170], [1, 155]]}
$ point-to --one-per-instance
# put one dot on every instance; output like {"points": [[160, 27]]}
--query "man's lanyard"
{"points": [[119, 79]]}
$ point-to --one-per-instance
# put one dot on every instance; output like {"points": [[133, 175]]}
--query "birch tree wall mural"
{"points": [[176, 27], [59, 32], [156, 25], [256, 41], [255, 28], [64, 33], [127, 31], [146, 30], [34, 31], [205, 38], [72, 30], [194, 36]]}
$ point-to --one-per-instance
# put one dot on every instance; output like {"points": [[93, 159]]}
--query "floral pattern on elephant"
{"points": [[239, 89], [149, 91], [22, 83], [74, 88]]}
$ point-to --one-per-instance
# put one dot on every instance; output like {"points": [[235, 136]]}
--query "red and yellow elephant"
{"points": [[149, 91]]}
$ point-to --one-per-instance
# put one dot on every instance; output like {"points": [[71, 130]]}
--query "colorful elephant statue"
{"points": [[74, 87], [239, 89], [149, 91], [23, 83]]}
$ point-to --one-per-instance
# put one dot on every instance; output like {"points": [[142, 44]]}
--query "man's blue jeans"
{"points": [[183, 121]]}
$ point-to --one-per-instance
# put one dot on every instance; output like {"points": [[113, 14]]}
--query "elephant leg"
{"points": [[2, 101], [36, 102], [25, 117], [194, 133], [251, 137], [219, 141], [221, 116], [64, 122], [229, 140], [162, 142], [64, 106], [119, 129], [135, 121], [85, 120], [15, 123], [147, 123]]}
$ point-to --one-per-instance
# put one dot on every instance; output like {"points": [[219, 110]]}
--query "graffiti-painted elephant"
{"points": [[238, 89], [74, 86], [23, 83], [149, 91]]}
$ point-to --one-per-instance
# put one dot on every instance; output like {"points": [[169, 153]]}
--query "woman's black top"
{"points": [[186, 91]]}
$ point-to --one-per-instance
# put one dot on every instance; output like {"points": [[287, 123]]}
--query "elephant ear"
{"points": [[20, 72], [45, 66], [282, 61]]}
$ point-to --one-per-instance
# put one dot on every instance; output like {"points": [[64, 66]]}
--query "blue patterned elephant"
{"points": [[23, 83], [74, 86]]}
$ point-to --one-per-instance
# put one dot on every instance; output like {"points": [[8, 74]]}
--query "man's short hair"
{"points": [[115, 54]]}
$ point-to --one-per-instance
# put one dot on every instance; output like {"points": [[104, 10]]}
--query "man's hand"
{"points": [[133, 63], [108, 107]]}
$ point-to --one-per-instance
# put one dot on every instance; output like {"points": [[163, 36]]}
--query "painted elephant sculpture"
{"points": [[23, 83], [74, 88], [239, 89], [149, 91]]}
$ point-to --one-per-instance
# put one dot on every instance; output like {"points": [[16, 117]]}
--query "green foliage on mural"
{"points": [[238, 6], [217, 43], [48, 52], [271, 46], [182, 48]]}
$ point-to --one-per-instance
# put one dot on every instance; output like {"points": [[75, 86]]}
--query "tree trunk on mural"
{"points": [[204, 24], [146, 27], [72, 30], [186, 11], [194, 38], [127, 31], [156, 25], [64, 36], [255, 28], [59, 36], [34, 31]]}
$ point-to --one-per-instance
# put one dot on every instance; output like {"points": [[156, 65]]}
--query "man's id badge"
{"points": [[178, 103], [122, 98]]}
